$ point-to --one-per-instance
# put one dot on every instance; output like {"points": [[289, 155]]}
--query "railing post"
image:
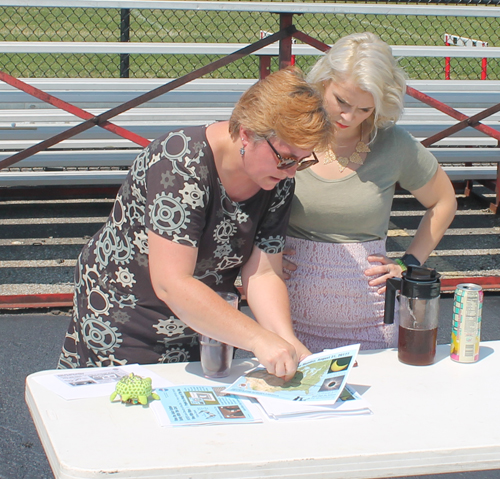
{"points": [[494, 206], [124, 37], [285, 56], [484, 66], [264, 66]]}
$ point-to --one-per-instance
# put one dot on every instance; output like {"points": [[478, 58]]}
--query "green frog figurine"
{"points": [[134, 389]]}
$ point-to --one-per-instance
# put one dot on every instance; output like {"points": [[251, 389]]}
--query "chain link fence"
{"points": [[157, 25]]}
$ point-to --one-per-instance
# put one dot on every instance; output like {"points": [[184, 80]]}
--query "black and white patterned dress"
{"points": [[172, 189]]}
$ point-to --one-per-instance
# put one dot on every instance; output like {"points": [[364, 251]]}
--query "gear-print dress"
{"points": [[172, 189]]}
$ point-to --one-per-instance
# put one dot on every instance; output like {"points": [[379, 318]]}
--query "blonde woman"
{"points": [[340, 212], [199, 205]]}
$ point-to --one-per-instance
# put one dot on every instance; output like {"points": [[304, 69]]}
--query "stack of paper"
{"points": [[318, 389], [350, 403]]}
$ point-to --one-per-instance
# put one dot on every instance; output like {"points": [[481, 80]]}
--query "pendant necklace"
{"points": [[343, 161]]}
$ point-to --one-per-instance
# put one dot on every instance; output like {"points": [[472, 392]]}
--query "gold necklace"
{"points": [[361, 147]]}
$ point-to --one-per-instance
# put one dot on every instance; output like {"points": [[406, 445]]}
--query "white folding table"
{"points": [[426, 419]]}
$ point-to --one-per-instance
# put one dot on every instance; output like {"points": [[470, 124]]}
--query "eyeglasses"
{"points": [[285, 163]]}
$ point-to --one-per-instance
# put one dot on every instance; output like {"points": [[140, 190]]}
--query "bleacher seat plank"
{"points": [[87, 158]]}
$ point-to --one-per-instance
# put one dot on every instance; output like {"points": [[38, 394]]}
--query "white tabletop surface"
{"points": [[426, 419]]}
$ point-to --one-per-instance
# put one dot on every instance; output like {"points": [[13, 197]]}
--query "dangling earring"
{"points": [[242, 151]]}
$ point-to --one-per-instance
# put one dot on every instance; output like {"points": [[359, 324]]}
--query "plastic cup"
{"points": [[216, 357]]}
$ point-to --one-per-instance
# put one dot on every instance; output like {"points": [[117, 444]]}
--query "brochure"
{"points": [[320, 379], [195, 405]]}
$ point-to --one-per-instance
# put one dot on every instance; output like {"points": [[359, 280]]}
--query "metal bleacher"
{"points": [[98, 156]]}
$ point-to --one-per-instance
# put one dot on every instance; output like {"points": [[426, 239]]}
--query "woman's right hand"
{"points": [[384, 269], [288, 266], [276, 355]]}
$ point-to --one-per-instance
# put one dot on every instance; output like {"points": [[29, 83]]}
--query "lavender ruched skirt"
{"points": [[331, 302]]}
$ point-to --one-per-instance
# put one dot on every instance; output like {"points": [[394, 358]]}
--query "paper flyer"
{"points": [[94, 382], [320, 378], [195, 405]]}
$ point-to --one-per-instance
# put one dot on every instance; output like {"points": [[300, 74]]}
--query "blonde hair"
{"points": [[286, 106], [367, 61]]}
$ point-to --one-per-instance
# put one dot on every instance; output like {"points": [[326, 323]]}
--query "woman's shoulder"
{"points": [[178, 139], [397, 138], [416, 164], [394, 132], [177, 156]]}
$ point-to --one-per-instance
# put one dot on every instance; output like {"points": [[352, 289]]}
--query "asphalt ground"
{"points": [[30, 341]]}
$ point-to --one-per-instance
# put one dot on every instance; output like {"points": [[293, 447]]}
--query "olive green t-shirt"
{"points": [[357, 208]]}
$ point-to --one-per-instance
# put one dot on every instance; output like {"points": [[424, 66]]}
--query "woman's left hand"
{"points": [[383, 271]]}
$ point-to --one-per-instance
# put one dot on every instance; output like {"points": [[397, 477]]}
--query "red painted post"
{"points": [[285, 57], [484, 65], [264, 66], [447, 65], [447, 59]]}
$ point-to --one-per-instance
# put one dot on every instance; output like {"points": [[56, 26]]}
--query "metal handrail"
{"points": [[102, 119]]}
